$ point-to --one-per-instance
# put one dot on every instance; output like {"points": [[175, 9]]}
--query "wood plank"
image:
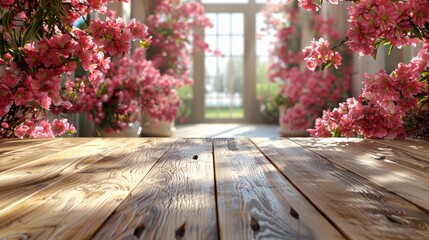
{"points": [[31, 152], [416, 148], [43, 169], [175, 200], [412, 154], [20, 183], [12, 144], [359, 208], [256, 201], [404, 181], [76, 206]]}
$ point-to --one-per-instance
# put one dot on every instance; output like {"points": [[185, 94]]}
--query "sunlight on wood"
{"points": [[235, 188]]}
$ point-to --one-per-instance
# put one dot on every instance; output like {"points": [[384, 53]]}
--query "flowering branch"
{"points": [[391, 105], [176, 28], [39, 45], [305, 92]]}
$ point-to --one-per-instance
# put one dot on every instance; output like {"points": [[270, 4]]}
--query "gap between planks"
{"points": [[358, 207], [255, 200], [92, 187]]}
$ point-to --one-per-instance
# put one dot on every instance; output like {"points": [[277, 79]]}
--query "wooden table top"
{"points": [[221, 188]]}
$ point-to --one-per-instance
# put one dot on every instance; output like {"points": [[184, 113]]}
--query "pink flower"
{"points": [[420, 12], [46, 102], [318, 53], [172, 52], [22, 97], [102, 63], [32, 74], [137, 29], [59, 127], [21, 131], [336, 59], [309, 5]]}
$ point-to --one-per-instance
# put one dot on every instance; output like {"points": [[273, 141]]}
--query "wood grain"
{"points": [[76, 206], [20, 183], [416, 152], [412, 154], [45, 168], [175, 200], [149, 188], [31, 152], [404, 181], [359, 208], [10, 145], [255, 201]]}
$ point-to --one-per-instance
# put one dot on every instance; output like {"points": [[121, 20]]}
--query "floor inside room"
{"points": [[226, 130]]}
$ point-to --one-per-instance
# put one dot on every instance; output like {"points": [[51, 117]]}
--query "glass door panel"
{"points": [[223, 78]]}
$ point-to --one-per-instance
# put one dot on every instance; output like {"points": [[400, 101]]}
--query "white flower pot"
{"points": [[153, 128]]}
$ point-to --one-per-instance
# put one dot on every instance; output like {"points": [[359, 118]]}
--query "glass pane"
{"points": [[262, 47], [224, 23], [224, 1], [225, 45], [234, 77], [237, 20], [223, 97], [222, 63], [262, 68], [213, 19], [211, 66], [209, 87], [213, 43], [237, 45]]}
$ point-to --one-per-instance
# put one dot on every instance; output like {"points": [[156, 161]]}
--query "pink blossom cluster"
{"points": [[176, 28], [373, 23], [44, 130], [38, 51], [306, 93], [130, 86], [391, 105], [380, 109], [319, 54], [311, 5], [388, 21]]}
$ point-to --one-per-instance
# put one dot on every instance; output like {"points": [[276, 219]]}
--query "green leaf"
{"points": [[424, 76], [6, 21], [390, 49], [326, 64], [32, 30], [336, 132], [423, 100], [374, 53], [417, 32]]}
